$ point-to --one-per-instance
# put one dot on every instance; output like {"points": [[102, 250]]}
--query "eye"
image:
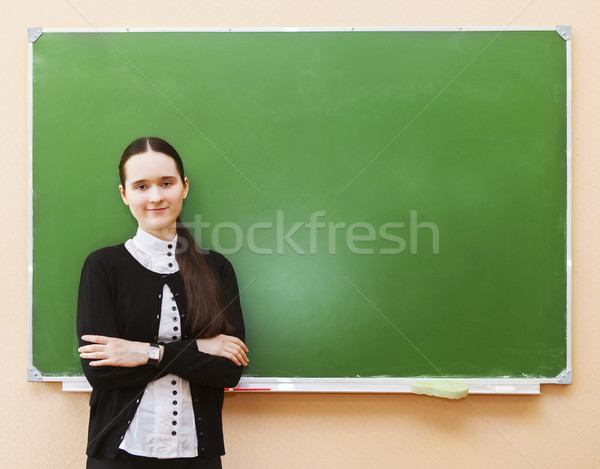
{"points": [[140, 187], [167, 184]]}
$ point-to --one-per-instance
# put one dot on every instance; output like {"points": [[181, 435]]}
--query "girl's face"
{"points": [[154, 192]]}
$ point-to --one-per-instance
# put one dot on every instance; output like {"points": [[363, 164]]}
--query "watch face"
{"points": [[153, 353]]}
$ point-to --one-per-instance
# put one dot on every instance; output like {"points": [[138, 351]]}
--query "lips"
{"points": [[156, 210]]}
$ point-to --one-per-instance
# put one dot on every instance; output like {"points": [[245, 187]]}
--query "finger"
{"points": [[242, 345], [100, 363], [91, 348], [233, 358], [93, 356], [241, 355], [237, 341], [98, 339]]}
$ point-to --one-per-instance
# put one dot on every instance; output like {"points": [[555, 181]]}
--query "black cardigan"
{"points": [[118, 297]]}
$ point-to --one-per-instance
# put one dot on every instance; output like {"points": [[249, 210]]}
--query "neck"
{"points": [[166, 234]]}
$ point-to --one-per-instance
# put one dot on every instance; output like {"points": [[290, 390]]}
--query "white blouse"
{"points": [[163, 426]]}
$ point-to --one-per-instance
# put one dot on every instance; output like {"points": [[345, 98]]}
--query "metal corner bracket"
{"points": [[33, 34], [564, 31], [33, 374], [565, 377]]}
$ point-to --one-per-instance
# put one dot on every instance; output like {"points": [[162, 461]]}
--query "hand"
{"points": [[225, 346], [111, 351]]}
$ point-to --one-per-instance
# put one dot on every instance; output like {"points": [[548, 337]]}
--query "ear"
{"points": [[123, 196], [186, 185]]}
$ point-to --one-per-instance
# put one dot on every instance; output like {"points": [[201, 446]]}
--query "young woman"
{"points": [[161, 329]]}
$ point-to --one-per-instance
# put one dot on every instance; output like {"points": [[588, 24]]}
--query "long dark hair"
{"points": [[207, 316]]}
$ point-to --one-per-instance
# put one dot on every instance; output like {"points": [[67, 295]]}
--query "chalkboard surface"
{"points": [[394, 202]]}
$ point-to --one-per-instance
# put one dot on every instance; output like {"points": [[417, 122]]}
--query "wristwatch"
{"points": [[153, 354]]}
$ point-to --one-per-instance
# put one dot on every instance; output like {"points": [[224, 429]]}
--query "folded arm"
{"points": [[111, 362]]}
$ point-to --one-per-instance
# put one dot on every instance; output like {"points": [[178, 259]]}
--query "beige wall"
{"points": [[44, 427]]}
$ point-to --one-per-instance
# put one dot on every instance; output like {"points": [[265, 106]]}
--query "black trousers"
{"points": [[124, 460]]}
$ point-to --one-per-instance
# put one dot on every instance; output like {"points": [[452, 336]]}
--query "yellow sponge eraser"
{"points": [[450, 389]]}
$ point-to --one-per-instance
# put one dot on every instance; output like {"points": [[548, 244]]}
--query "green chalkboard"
{"points": [[395, 203]]}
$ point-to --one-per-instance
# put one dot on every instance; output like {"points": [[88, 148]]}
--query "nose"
{"points": [[155, 194]]}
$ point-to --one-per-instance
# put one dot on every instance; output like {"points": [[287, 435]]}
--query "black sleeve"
{"points": [[96, 316], [183, 357]]}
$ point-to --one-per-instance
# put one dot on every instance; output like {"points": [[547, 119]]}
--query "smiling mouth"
{"points": [[156, 210]]}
